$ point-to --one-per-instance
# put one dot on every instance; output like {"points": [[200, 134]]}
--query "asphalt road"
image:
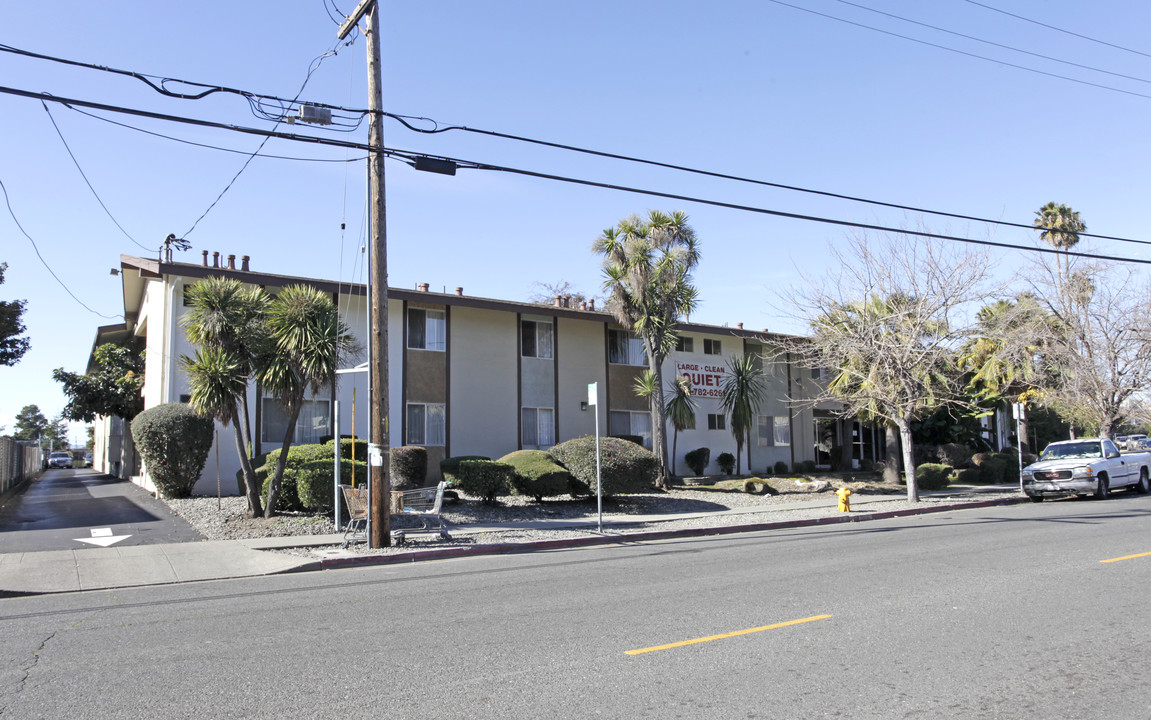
{"points": [[69, 509], [1005, 612]]}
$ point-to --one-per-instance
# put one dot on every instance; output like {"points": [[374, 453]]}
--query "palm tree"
{"points": [[742, 392], [308, 341], [647, 268], [680, 411], [680, 408], [226, 321], [1060, 227]]}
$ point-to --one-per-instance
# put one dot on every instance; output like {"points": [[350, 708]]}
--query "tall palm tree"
{"points": [[308, 341], [1059, 226], [742, 392], [647, 266], [680, 411], [226, 321]]}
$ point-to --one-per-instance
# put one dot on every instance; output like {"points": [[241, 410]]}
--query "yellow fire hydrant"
{"points": [[844, 503]]}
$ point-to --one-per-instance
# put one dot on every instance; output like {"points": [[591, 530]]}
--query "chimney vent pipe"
{"points": [[231, 262], [244, 262], [215, 259], [205, 260]]}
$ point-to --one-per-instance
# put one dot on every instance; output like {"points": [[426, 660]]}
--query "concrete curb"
{"points": [[592, 540]]}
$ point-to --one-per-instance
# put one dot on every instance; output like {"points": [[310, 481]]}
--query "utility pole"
{"points": [[379, 520]]}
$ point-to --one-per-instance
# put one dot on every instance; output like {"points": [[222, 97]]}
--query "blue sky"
{"points": [[755, 89]]}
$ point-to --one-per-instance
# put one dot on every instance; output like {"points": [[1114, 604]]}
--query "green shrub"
{"points": [[726, 462], [174, 442], [289, 497], [409, 466], [625, 466], [346, 449], [780, 467], [954, 454], [1010, 462], [992, 467], [932, 476], [485, 479], [537, 475], [698, 459], [805, 466], [966, 476], [450, 467]]}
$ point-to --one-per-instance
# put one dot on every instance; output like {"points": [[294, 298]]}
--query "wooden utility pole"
{"points": [[379, 520]]}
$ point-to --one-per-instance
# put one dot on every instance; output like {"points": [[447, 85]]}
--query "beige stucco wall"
{"points": [[581, 357], [483, 411]]}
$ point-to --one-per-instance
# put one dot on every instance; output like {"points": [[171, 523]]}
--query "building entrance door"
{"points": [[826, 437]]}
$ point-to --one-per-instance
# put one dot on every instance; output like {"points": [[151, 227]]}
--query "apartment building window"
{"points": [[625, 348], [782, 434], [427, 329], [712, 347], [426, 424], [535, 339], [626, 422], [763, 430], [538, 427], [313, 423], [716, 421], [684, 344]]}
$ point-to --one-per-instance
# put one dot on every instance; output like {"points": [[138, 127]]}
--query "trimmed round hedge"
{"points": [[625, 466], [538, 475], [485, 479], [174, 442]]}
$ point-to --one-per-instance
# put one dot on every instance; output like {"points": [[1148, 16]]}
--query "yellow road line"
{"points": [[1127, 557], [727, 635]]}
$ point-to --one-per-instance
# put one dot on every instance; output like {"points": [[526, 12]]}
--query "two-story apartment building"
{"points": [[472, 376]]}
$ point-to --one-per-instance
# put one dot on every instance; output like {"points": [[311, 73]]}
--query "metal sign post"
{"points": [[1018, 410], [592, 397], [336, 482]]}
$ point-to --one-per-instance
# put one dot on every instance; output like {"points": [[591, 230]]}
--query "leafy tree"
{"points": [[12, 346], [30, 423], [111, 388], [647, 266], [56, 434], [1059, 226], [308, 342], [888, 322], [743, 391], [227, 323]]}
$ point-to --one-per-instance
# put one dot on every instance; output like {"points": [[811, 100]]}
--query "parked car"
{"points": [[1088, 466], [1133, 442], [60, 460], [88, 459]]}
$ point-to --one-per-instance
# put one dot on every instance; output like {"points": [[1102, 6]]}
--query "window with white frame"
{"points": [[624, 348], [716, 421], [538, 427], [684, 344], [313, 423], [427, 329], [712, 347], [782, 431], [627, 422], [426, 424], [535, 339]]}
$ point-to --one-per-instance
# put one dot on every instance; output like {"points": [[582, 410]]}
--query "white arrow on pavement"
{"points": [[103, 537]]}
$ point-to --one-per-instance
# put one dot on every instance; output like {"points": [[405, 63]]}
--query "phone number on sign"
{"points": [[707, 392]]}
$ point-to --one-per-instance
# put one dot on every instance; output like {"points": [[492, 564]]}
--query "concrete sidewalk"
{"points": [[76, 570]]}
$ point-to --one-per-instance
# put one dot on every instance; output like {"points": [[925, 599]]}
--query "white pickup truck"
{"points": [[1088, 466]]}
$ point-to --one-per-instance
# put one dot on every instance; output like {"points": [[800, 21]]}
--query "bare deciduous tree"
{"points": [[887, 321], [1101, 350]]}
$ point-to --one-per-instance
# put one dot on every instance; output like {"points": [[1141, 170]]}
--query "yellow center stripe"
{"points": [[1127, 557], [727, 635]]}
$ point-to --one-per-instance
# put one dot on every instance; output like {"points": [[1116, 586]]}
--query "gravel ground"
{"points": [[226, 519]]}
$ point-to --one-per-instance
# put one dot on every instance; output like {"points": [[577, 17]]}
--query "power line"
{"points": [[88, 182], [411, 158], [45, 262], [405, 121], [1057, 29], [960, 52], [992, 43]]}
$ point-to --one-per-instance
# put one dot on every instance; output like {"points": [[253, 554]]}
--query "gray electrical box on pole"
{"points": [[379, 518]]}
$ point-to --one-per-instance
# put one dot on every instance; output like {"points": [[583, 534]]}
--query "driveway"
{"points": [[80, 508]]}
